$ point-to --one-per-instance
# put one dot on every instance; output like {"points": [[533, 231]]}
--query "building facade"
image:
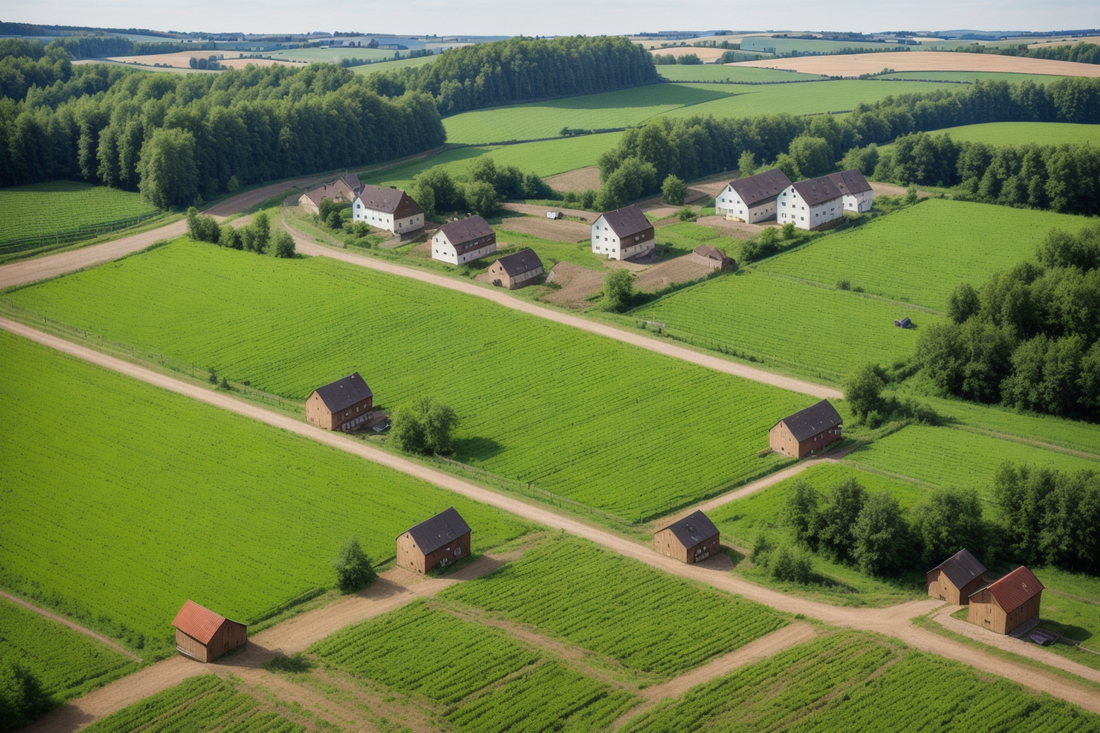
{"points": [[465, 240], [343, 190], [622, 234], [439, 541], [345, 405], [807, 431], [752, 199], [1008, 603], [387, 208], [689, 540], [512, 271], [713, 258], [204, 635], [956, 578], [815, 202]]}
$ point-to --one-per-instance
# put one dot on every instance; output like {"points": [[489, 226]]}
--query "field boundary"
{"points": [[72, 625], [90, 231]]}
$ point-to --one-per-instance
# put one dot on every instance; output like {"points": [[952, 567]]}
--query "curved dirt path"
{"points": [[893, 621], [75, 627], [500, 298]]}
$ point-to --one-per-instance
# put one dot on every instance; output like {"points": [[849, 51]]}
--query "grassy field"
{"points": [[736, 74], [331, 55], [1071, 607], [1022, 133], [818, 331], [539, 402], [35, 210], [140, 499], [920, 254], [686, 236], [65, 662], [969, 76], [573, 590], [548, 251], [391, 65]]}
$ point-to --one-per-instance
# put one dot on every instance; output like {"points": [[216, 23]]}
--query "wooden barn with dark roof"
{"points": [[806, 431], [511, 271], [1006, 604], [713, 258], [752, 199], [204, 635], [441, 540], [344, 405], [954, 579], [691, 539]]}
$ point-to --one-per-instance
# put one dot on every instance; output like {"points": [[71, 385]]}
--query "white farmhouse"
{"points": [[752, 199], [464, 240], [387, 208], [619, 235], [858, 195], [817, 201]]}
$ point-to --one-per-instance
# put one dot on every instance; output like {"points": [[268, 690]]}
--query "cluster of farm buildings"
{"points": [[808, 204]]}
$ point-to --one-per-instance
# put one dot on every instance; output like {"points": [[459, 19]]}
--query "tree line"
{"points": [[487, 185], [1081, 52]]}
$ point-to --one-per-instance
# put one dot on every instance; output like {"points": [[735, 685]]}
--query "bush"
{"points": [[618, 290], [353, 567], [863, 390], [674, 191], [790, 564], [22, 699], [424, 427], [284, 245], [686, 214]]}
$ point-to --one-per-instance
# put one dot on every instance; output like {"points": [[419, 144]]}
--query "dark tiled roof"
{"points": [[344, 393], [693, 529], [811, 421], [818, 190], [520, 262], [466, 230], [961, 568], [761, 187], [433, 533], [711, 253], [850, 182], [1015, 589], [627, 222], [389, 201], [352, 180], [198, 622]]}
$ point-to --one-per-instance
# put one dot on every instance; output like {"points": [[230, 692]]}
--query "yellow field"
{"points": [[872, 63]]}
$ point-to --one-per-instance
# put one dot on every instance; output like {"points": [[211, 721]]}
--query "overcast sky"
{"points": [[561, 17]]}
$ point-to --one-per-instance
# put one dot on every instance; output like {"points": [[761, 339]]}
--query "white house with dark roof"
{"points": [[622, 234], [815, 202], [752, 199], [387, 208], [858, 196], [465, 240]]}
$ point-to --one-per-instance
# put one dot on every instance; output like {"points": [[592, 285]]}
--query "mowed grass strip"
{"points": [[601, 422], [921, 253], [127, 500], [574, 590], [818, 331], [45, 209]]}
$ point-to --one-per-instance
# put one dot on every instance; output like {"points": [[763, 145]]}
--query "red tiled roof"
{"points": [[198, 622], [1016, 589]]}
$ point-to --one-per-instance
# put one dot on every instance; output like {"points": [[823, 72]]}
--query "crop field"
{"points": [[873, 63], [35, 210], [808, 45], [920, 254], [391, 65], [946, 457], [846, 681], [735, 74], [198, 704], [117, 514], [65, 662], [686, 236], [272, 322], [573, 590], [1022, 133], [331, 55], [818, 331]]}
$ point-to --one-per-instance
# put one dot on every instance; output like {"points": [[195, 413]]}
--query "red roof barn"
{"points": [[204, 635], [1007, 603]]}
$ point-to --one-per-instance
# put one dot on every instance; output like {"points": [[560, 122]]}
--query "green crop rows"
{"points": [[818, 331], [47, 209], [65, 662], [139, 499], [596, 599], [204, 703], [736, 74], [920, 254], [600, 422]]}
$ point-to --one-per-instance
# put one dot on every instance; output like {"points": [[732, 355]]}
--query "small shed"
{"points": [[204, 635], [807, 431], [691, 539], [441, 540], [903, 323], [344, 405], [713, 258], [1008, 603], [511, 271], [954, 579], [553, 215]]}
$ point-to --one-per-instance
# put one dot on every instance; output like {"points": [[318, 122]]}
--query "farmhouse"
{"points": [[815, 202], [441, 540], [342, 189], [752, 199], [954, 579], [204, 635], [806, 431], [691, 539], [1008, 603], [387, 208], [344, 405], [511, 271], [622, 234], [464, 240], [855, 190], [713, 258]]}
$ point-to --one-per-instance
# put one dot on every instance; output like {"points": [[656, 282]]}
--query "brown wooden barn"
{"points": [[511, 271], [954, 579], [713, 258], [204, 635], [345, 405], [806, 431], [691, 539], [1007, 603], [441, 540]]}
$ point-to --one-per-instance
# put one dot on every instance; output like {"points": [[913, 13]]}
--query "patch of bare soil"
{"points": [[889, 189], [865, 63], [537, 211], [660, 210], [712, 187], [556, 230], [579, 180], [737, 229], [577, 284], [678, 270]]}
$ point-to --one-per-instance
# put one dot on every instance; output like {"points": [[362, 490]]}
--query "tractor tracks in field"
{"points": [[75, 627]]}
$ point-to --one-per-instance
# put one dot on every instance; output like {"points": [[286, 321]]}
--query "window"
{"points": [[347, 412]]}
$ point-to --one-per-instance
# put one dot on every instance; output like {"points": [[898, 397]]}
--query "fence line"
{"points": [[18, 244]]}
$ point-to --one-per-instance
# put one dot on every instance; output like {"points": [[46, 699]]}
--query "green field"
{"points": [[599, 600], [1024, 133], [969, 76], [818, 331], [539, 402], [1071, 607], [549, 252], [686, 236], [140, 499], [204, 703], [66, 663], [395, 64], [44, 210], [332, 55], [736, 74], [920, 254]]}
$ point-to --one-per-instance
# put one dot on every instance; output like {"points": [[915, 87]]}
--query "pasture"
{"points": [[686, 236], [817, 331], [140, 499], [733, 74], [332, 55], [873, 63], [391, 65], [549, 252], [538, 401], [967, 77], [1024, 133], [920, 254]]}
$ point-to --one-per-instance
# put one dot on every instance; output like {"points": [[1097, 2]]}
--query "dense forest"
{"points": [[1081, 53]]}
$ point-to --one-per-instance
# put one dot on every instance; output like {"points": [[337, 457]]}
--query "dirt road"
{"points": [[893, 621], [501, 298], [70, 624]]}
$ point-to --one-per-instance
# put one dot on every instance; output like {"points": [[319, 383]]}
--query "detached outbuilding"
{"points": [[464, 240], [441, 540], [204, 635], [713, 258], [342, 189], [1008, 603], [511, 271], [691, 539], [954, 579], [344, 405], [806, 431]]}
